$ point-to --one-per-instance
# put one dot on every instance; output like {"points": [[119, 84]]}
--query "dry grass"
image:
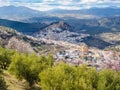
{"points": [[13, 83]]}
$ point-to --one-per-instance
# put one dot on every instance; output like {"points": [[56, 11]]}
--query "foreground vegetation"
{"points": [[3, 85], [41, 70]]}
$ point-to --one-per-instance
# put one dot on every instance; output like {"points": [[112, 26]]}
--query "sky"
{"points": [[44, 5]]}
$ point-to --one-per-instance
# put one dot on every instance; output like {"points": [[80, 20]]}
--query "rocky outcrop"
{"points": [[19, 45], [60, 31]]}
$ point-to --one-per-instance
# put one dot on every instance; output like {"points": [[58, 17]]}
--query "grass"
{"points": [[13, 83]]}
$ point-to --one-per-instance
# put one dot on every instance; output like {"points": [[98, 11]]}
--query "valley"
{"points": [[59, 49]]}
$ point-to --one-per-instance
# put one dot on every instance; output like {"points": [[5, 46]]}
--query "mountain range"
{"points": [[70, 28], [90, 26], [18, 13], [21, 12], [59, 41]]}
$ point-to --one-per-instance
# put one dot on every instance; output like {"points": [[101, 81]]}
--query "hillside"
{"points": [[18, 13], [87, 26], [12, 39], [26, 28], [72, 30], [62, 31], [91, 12], [31, 72]]}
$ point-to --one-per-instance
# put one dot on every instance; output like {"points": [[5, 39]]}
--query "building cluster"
{"points": [[91, 57]]}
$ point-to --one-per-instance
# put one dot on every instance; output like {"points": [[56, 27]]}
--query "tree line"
{"points": [[41, 70]]}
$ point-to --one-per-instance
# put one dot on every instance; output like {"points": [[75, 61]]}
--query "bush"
{"points": [[109, 80], [28, 66], [2, 82], [65, 77], [5, 57]]}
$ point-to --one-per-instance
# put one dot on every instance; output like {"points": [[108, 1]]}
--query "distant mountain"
{"points": [[44, 19], [95, 26], [18, 13], [26, 28], [101, 12], [21, 13], [86, 26], [90, 26], [111, 22], [66, 28]]}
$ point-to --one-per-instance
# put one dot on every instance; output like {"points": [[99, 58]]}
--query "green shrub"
{"points": [[65, 77], [5, 57], [28, 66], [3, 85], [109, 80]]}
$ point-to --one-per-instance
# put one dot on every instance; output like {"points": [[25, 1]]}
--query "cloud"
{"points": [[88, 1], [43, 5]]}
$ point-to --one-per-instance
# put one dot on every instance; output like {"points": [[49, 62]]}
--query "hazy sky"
{"points": [[62, 4]]}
